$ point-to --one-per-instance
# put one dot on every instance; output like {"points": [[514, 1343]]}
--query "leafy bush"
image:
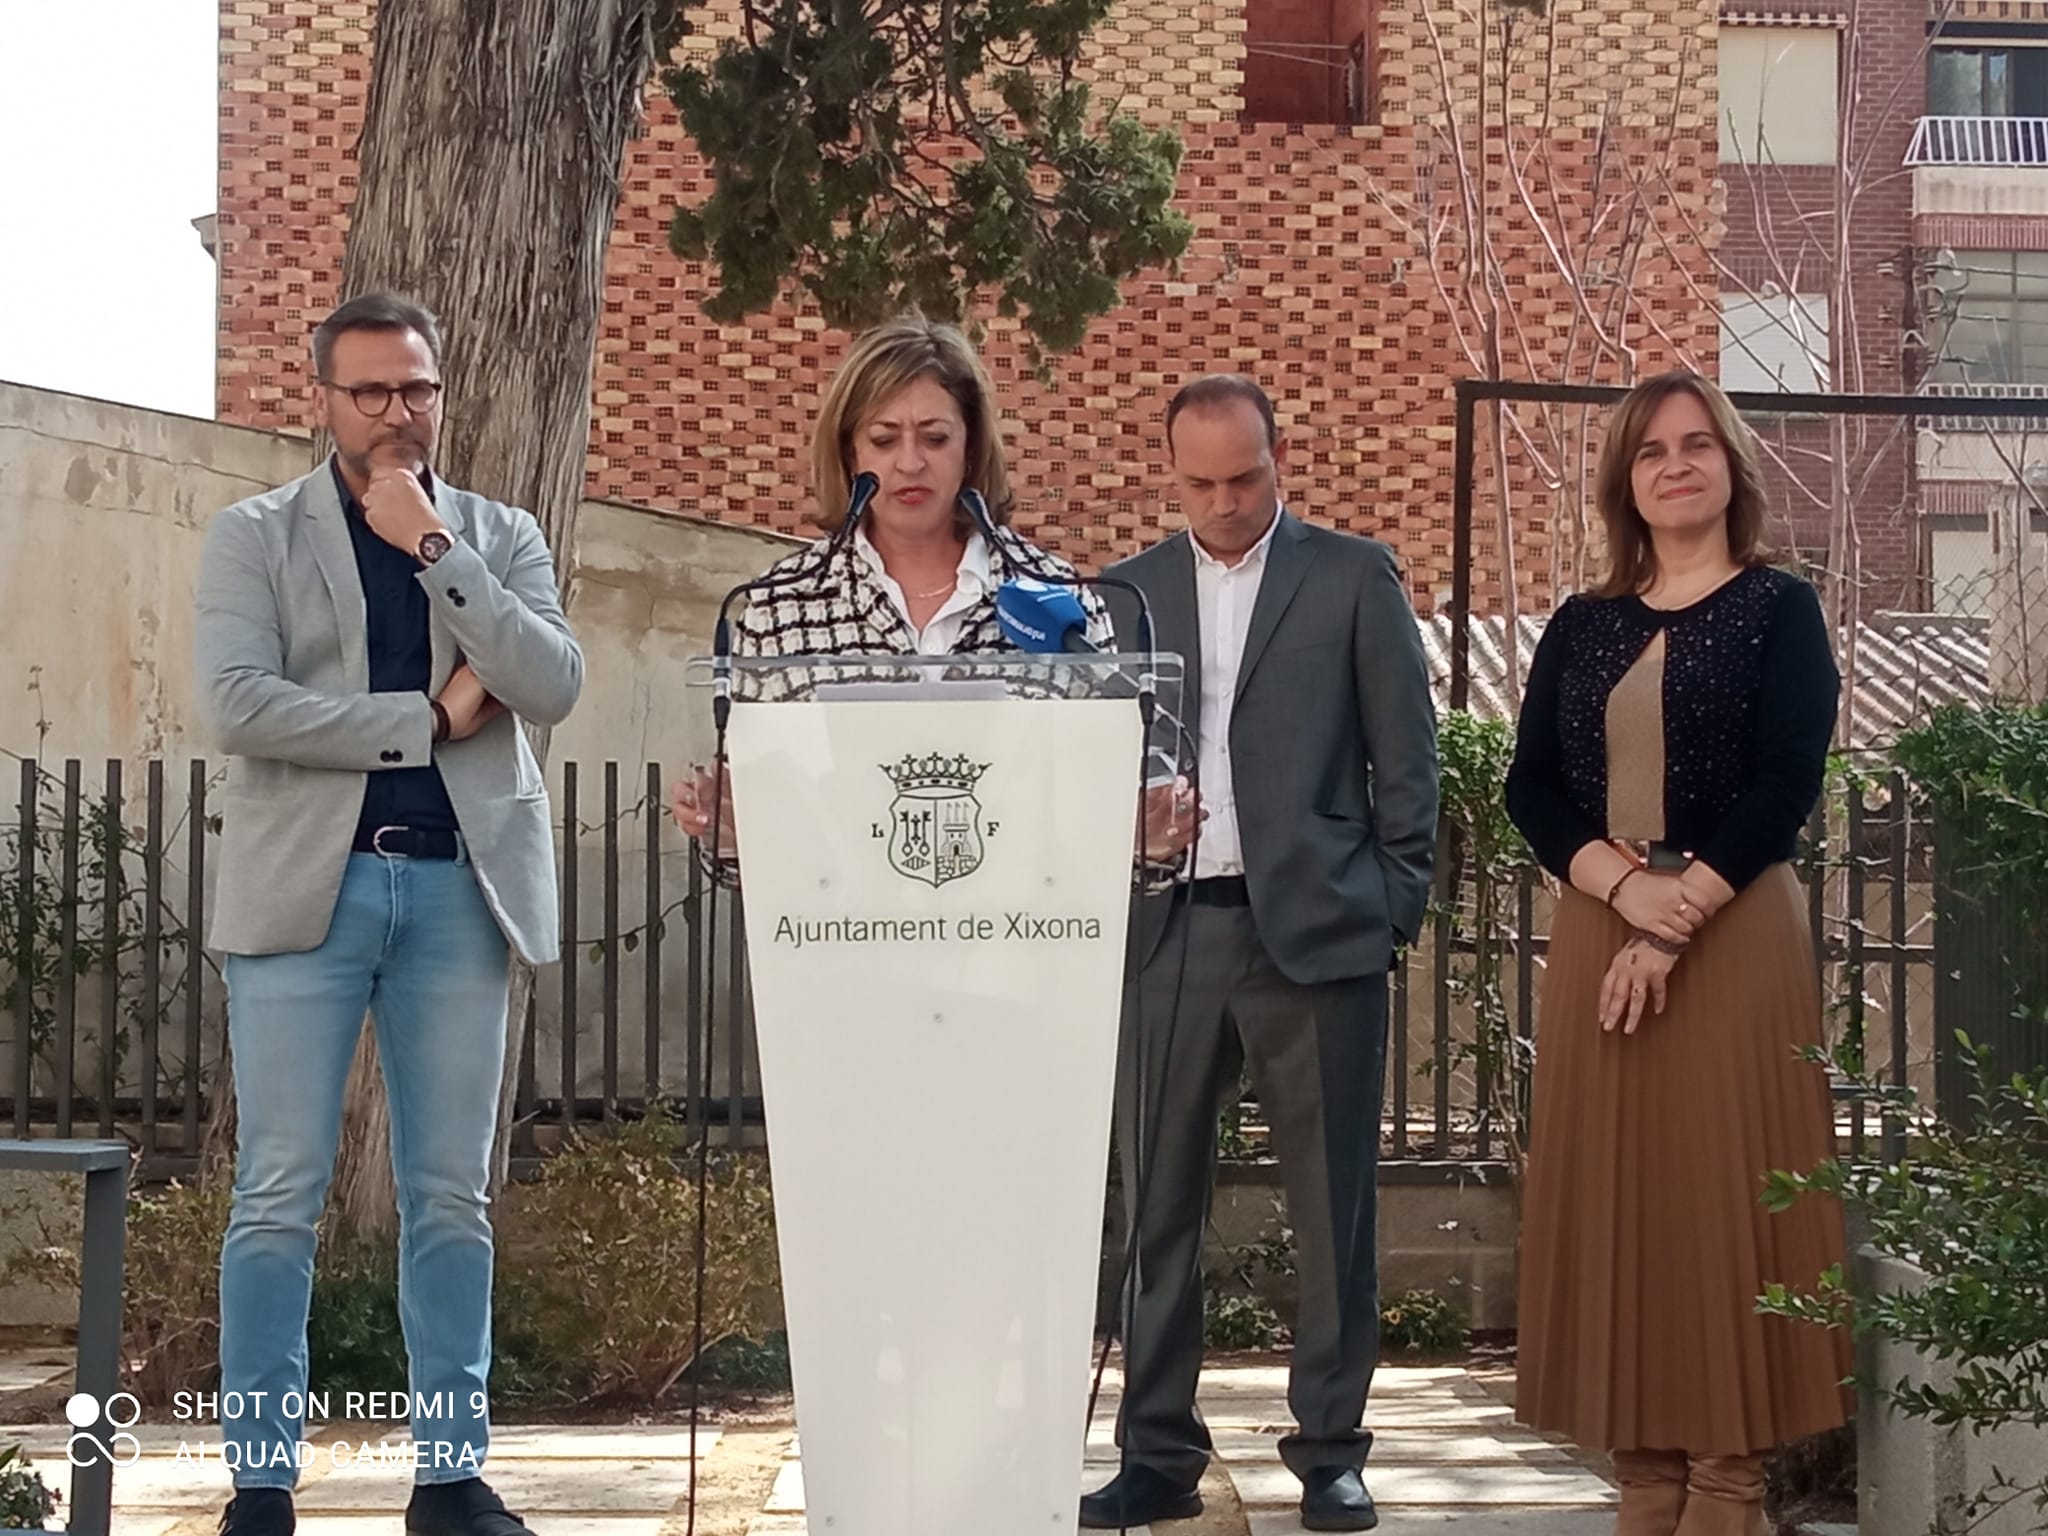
{"points": [[25, 1503], [1237, 1321], [750, 1364], [1488, 856], [594, 1292], [1990, 767], [1422, 1320], [609, 1257], [171, 1322], [1968, 1207]]}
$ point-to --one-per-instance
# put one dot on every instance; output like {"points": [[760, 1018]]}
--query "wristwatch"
{"points": [[433, 545]]}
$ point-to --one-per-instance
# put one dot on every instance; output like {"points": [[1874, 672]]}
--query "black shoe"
{"points": [[1137, 1496], [1334, 1499], [259, 1512], [467, 1508]]}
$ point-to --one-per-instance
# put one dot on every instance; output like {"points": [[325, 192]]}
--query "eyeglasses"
{"points": [[375, 399]]}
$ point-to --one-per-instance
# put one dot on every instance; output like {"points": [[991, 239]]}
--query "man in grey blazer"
{"points": [[1315, 739], [368, 637]]}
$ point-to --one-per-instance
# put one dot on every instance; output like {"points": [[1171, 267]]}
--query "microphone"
{"points": [[975, 505], [1028, 612], [1039, 617], [860, 495]]}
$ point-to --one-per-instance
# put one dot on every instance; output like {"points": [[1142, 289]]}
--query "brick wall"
{"points": [[1299, 274]]}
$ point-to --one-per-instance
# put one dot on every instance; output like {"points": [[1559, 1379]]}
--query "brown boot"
{"points": [[1652, 1492], [1724, 1497]]}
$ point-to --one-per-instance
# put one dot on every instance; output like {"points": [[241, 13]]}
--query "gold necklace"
{"points": [[918, 597]]}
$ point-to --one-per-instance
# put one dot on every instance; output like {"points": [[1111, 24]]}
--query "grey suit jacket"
{"points": [[284, 678], [1332, 747]]}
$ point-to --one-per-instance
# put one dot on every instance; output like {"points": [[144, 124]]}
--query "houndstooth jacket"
{"points": [[846, 611]]}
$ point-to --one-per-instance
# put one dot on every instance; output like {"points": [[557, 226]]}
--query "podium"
{"points": [[937, 855]]}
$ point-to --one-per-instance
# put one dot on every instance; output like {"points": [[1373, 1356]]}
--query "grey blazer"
{"points": [[1332, 747], [283, 669]]}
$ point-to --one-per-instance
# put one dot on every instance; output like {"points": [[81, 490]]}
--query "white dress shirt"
{"points": [[1224, 595], [972, 584]]}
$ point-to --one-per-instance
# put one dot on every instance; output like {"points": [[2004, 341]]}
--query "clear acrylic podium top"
{"points": [[992, 675]]}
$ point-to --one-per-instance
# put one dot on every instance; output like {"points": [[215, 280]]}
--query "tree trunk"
{"points": [[489, 170]]}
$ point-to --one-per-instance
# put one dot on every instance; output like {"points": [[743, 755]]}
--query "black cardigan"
{"points": [[1750, 693]]}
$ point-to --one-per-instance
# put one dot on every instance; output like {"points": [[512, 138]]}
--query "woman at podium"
{"points": [[916, 573]]}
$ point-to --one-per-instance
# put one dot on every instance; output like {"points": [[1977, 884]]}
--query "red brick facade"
{"points": [[1299, 274]]}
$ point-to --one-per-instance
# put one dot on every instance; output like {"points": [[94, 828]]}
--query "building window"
{"points": [[1998, 81], [1991, 318], [1774, 345], [1779, 95], [1308, 61]]}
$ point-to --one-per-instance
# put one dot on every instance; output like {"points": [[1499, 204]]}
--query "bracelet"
{"points": [[1614, 890], [441, 725], [1661, 945]]}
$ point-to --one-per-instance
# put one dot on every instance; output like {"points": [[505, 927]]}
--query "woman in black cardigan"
{"points": [[1672, 743]]}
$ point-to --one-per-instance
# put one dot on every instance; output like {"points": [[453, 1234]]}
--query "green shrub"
{"points": [[25, 1503], [607, 1250], [1234, 1321], [171, 1316], [1422, 1321], [1968, 1206], [756, 1365]]}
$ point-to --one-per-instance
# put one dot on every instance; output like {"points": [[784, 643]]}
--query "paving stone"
{"points": [[1456, 1522], [531, 1487], [1451, 1483]]}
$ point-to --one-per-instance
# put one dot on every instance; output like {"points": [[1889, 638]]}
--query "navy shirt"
{"points": [[401, 661]]}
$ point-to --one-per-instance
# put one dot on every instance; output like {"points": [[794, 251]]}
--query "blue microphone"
{"points": [[1038, 616]]}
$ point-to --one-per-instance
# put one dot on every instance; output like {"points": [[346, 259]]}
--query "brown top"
{"points": [[1635, 748]]}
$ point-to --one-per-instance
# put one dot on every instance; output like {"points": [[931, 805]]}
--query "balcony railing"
{"points": [[1979, 141], [1961, 419]]}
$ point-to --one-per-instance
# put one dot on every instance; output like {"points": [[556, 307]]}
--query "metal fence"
{"points": [[117, 1014]]}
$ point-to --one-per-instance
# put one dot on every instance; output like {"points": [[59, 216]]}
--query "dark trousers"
{"points": [[1317, 1058]]}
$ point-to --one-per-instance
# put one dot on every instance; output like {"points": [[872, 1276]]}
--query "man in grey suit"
{"points": [[367, 638], [1315, 741]]}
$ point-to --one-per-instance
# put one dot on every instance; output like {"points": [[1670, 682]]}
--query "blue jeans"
{"points": [[415, 945]]}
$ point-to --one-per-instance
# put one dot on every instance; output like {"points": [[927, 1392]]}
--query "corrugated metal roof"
{"points": [[1905, 665]]}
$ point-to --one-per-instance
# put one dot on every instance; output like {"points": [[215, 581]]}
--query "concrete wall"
{"points": [[103, 509], [1444, 1227], [1961, 189], [1912, 1472]]}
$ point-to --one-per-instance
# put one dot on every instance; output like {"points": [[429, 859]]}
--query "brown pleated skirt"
{"points": [[1644, 1247]]}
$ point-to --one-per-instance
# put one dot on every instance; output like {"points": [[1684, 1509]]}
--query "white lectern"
{"points": [[937, 859]]}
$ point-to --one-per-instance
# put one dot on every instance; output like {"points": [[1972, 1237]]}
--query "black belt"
{"points": [[410, 842], [1220, 891]]}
